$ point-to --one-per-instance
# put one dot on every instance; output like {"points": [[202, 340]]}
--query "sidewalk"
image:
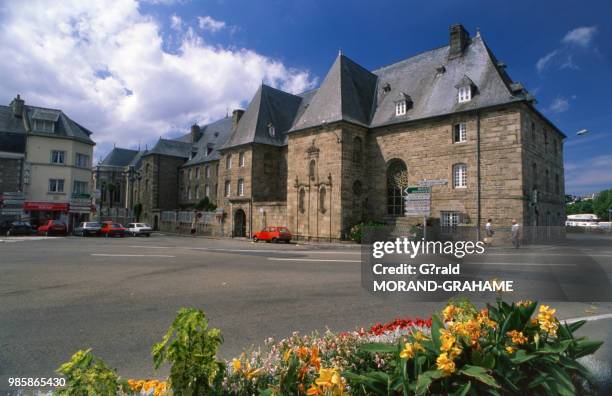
{"points": [[600, 364]]}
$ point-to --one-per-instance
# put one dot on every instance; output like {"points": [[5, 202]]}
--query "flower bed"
{"points": [[502, 349]]}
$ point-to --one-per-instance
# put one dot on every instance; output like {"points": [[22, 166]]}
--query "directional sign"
{"points": [[418, 201], [433, 182]]}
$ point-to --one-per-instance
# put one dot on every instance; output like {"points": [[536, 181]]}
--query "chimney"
{"points": [[236, 116], [196, 133], [17, 106], [459, 38]]}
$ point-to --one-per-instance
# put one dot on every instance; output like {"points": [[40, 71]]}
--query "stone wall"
{"points": [[197, 181], [235, 202]]}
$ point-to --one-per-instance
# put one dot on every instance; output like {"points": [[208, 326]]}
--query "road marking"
{"points": [[317, 260], [525, 264], [246, 250], [588, 318], [130, 255], [151, 247]]}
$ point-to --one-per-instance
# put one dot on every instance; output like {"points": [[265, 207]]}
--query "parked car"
{"points": [[136, 229], [273, 234], [88, 228], [111, 229], [15, 227], [52, 227]]}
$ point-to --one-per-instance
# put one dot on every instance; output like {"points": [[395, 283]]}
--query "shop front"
{"points": [[80, 209], [40, 212]]}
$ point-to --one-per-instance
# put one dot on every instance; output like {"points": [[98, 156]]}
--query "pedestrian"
{"points": [[489, 232], [194, 224], [515, 233]]}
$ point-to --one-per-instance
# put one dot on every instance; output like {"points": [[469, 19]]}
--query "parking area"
{"points": [[119, 295]]}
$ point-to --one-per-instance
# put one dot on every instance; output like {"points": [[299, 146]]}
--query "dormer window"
{"points": [[271, 130], [402, 104], [465, 94], [465, 90], [44, 120]]}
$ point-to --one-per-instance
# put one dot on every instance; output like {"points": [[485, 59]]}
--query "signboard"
{"points": [[417, 201], [433, 182], [46, 206]]}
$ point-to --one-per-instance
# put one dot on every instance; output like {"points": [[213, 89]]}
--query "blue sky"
{"points": [[210, 56]]}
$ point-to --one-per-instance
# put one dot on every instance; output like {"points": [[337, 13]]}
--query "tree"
{"points": [[205, 205], [601, 204]]}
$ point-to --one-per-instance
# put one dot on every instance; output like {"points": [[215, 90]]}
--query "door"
{"points": [[240, 223]]}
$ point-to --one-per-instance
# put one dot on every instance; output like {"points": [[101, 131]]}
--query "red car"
{"points": [[110, 229], [273, 234], [52, 227]]}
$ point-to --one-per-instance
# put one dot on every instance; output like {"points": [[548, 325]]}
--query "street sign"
{"points": [[433, 182], [417, 201]]}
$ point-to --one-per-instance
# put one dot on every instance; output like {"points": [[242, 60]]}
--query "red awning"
{"points": [[46, 206]]}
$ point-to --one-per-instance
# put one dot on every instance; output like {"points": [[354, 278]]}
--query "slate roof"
{"points": [[171, 147], [64, 126], [347, 93], [119, 157], [12, 132], [214, 136], [269, 106]]}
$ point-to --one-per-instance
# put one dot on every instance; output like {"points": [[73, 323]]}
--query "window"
{"points": [[533, 131], [228, 161], [81, 160], [460, 134], [58, 157], [189, 174], [268, 163], [547, 185], [241, 160], [400, 108], [357, 151], [189, 193], [207, 171], [228, 188], [460, 176], [322, 197], [197, 171], [557, 184], [545, 139], [464, 94], [357, 188], [271, 130], [207, 191], [311, 169], [450, 219], [197, 191], [302, 198], [209, 150], [56, 185], [44, 126], [395, 196], [80, 187], [241, 187]]}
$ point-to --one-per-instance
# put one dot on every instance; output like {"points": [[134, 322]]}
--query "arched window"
{"points": [[357, 150], [395, 196], [311, 169], [228, 161], [322, 196], [534, 175], [547, 181], [460, 176], [302, 198]]}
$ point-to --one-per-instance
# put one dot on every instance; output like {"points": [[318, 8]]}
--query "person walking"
{"points": [[515, 234], [489, 232], [194, 225]]}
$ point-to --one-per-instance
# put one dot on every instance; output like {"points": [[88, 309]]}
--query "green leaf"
{"points": [[564, 382], [560, 347], [378, 347], [436, 326], [576, 325], [425, 379], [512, 322], [465, 388], [521, 357], [479, 373], [586, 347]]}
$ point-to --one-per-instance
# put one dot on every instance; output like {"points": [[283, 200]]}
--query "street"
{"points": [[118, 296]]}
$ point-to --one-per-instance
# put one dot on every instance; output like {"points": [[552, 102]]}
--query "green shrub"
{"points": [[356, 231], [205, 205], [191, 349], [88, 375]]}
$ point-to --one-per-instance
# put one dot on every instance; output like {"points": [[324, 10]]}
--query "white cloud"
{"points": [[579, 39], [176, 22], [559, 105], [592, 174], [582, 36], [210, 24], [105, 65]]}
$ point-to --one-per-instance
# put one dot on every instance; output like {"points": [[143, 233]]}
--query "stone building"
{"points": [[325, 160]]}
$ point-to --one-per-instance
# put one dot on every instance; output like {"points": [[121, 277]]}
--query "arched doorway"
{"points": [[395, 195], [155, 223], [240, 223]]}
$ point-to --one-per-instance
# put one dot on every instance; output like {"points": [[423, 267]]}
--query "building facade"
{"points": [[53, 172], [325, 160]]}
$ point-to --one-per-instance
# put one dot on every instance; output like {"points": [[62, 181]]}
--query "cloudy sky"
{"points": [[132, 71]]}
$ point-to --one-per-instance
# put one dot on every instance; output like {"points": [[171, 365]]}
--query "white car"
{"points": [[136, 229]]}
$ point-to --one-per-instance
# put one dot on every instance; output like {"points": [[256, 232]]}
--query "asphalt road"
{"points": [[118, 296]]}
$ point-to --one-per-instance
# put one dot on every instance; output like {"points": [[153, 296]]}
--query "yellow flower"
{"points": [[419, 336], [408, 351], [445, 364], [524, 303], [547, 320], [510, 350], [447, 340], [329, 383], [418, 347], [287, 355], [517, 337], [454, 352], [236, 365], [450, 312]]}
